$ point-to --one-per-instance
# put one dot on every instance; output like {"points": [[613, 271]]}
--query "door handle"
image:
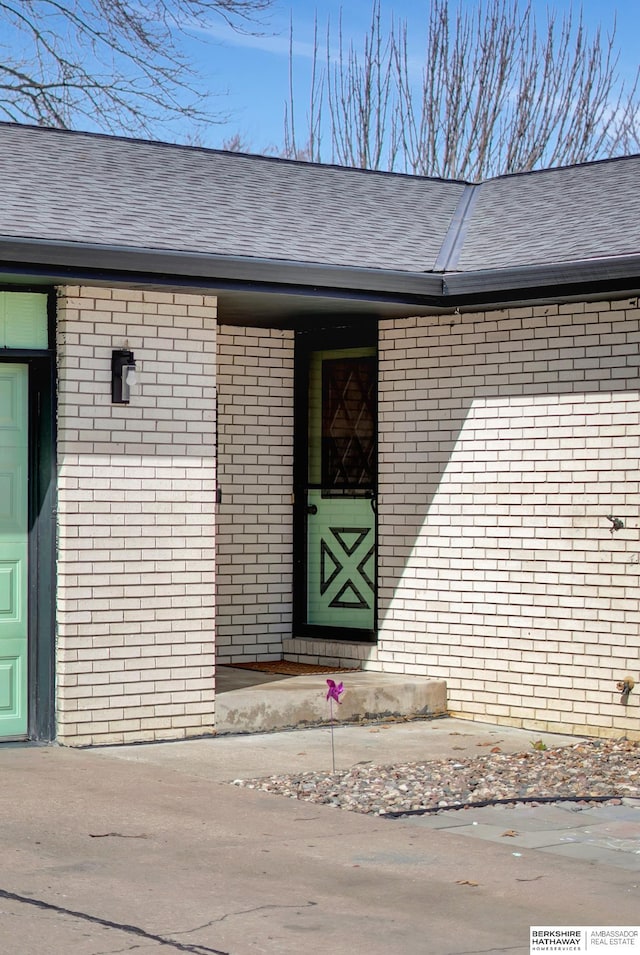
{"points": [[312, 508]]}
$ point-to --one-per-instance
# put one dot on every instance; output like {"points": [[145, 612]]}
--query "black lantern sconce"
{"points": [[123, 376]]}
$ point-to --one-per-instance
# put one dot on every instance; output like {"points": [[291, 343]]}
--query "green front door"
{"points": [[340, 493], [13, 549]]}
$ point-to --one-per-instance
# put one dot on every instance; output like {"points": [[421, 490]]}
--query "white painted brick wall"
{"points": [[506, 438], [135, 614], [255, 460]]}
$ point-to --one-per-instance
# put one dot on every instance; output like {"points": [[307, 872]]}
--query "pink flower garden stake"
{"points": [[334, 692]]}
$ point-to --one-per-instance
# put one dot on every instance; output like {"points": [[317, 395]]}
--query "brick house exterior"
{"points": [[136, 521], [166, 532]]}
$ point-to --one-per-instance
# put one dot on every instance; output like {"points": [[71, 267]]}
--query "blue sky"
{"points": [[251, 72]]}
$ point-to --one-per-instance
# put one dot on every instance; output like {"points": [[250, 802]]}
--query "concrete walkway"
{"points": [[226, 758], [148, 849], [606, 834]]}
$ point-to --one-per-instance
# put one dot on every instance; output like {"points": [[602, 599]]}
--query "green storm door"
{"points": [[13, 550], [341, 527]]}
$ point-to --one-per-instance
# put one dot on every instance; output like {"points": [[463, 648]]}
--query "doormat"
{"points": [[289, 668]]}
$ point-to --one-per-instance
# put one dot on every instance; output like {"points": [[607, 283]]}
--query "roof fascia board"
{"points": [[72, 261], [490, 281], [217, 269]]}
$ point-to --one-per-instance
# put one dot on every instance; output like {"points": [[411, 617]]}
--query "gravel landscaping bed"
{"points": [[588, 770]]}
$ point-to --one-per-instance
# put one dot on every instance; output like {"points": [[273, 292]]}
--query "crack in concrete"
{"points": [[257, 908], [118, 951], [194, 949]]}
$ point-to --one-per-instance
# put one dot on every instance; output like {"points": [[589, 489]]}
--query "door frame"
{"points": [[320, 339], [41, 541]]}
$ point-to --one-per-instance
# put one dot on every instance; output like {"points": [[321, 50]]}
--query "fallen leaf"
{"points": [[539, 745], [374, 731], [511, 832], [496, 749], [466, 882], [458, 747]]}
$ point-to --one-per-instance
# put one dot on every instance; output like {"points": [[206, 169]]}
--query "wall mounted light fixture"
{"points": [[123, 375]]}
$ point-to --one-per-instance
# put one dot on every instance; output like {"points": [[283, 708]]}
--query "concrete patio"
{"points": [[249, 701]]}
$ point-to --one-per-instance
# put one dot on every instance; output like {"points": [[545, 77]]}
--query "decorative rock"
{"points": [[606, 769]]}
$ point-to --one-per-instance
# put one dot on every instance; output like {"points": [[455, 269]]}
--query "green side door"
{"points": [[14, 459], [340, 494]]}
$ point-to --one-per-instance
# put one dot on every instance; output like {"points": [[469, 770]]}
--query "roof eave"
{"points": [[216, 271], [75, 261], [563, 277]]}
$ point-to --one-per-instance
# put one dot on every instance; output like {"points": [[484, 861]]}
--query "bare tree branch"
{"points": [[500, 91], [116, 64]]}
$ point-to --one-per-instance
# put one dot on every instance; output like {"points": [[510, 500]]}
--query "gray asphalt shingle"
{"points": [[555, 215], [76, 187], [60, 186]]}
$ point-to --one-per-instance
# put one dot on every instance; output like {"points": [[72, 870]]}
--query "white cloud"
{"points": [[277, 44]]}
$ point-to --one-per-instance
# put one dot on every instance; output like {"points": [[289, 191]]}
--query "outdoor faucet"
{"points": [[625, 687], [617, 523]]}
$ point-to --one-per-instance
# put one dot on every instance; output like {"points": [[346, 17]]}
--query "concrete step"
{"points": [[251, 702]]}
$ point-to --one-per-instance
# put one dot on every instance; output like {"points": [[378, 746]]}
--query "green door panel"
{"points": [[13, 549], [340, 561]]}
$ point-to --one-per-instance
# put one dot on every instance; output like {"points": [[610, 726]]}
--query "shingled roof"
{"points": [[82, 204]]}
